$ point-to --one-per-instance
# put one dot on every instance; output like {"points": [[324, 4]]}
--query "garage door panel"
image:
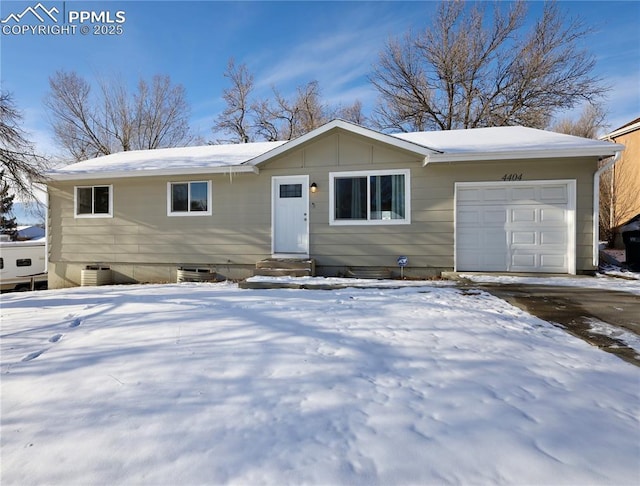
{"points": [[553, 215], [482, 238], [465, 194], [493, 261], [554, 194], [554, 261], [482, 217], [495, 216], [495, 195], [522, 194], [496, 239], [523, 237], [469, 217], [523, 215], [523, 261], [521, 227], [554, 238]]}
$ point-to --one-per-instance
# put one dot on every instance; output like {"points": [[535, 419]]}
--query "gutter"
{"points": [[121, 174], [596, 206], [518, 154]]}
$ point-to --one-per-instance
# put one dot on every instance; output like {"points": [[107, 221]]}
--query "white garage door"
{"points": [[516, 226]]}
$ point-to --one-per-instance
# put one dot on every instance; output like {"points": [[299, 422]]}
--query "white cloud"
{"points": [[339, 60]]}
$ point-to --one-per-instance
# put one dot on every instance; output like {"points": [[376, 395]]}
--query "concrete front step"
{"points": [[292, 263], [283, 272], [286, 267]]}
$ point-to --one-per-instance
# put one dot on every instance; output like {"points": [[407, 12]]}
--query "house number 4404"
{"points": [[512, 177]]}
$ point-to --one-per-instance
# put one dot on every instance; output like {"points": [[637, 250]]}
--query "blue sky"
{"points": [[283, 43]]}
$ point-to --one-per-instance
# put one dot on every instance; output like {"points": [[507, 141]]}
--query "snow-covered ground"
{"points": [[198, 384], [616, 271], [627, 337], [630, 284]]}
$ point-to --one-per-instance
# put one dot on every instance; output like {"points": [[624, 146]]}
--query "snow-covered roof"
{"points": [[497, 143], [168, 161], [477, 144]]}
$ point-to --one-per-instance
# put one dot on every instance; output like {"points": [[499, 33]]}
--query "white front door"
{"points": [[290, 215]]}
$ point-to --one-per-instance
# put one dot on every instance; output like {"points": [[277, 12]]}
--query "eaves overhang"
{"points": [[555, 153], [122, 174]]}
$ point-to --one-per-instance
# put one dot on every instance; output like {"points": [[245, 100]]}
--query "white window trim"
{"points": [[188, 213], [370, 222], [92, 214]]}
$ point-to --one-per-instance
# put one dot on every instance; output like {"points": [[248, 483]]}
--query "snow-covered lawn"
{"points": [[210, 384]]}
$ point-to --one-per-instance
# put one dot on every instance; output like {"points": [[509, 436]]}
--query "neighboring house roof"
{"points": [[623, 130], [438, 146]]}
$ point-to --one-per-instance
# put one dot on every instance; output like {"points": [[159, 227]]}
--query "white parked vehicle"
{"points": [[23, 265]]}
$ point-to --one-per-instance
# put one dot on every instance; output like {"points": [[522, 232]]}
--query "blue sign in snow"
{"points": [[402, 261]]}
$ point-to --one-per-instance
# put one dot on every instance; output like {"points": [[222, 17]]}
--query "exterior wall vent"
{"points": [[94, 275]]}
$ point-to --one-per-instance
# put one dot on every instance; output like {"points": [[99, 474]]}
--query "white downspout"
{"points": [[596, 206]]}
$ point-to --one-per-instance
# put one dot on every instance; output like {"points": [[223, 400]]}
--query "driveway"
{"points": [[575, 309]]}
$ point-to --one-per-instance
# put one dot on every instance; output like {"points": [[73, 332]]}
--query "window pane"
{"points": [[23, 262], [350, 197], [85, 196], [179, 197], [290, 190], [101, 195], [387, 197], [199, 196]]}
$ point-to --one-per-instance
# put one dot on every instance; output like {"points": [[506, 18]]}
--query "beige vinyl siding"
{"points": [[429, 240], [141, 232], [141, 238]]}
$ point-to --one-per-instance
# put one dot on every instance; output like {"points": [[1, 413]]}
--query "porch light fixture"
{"points": [[313, 187]]}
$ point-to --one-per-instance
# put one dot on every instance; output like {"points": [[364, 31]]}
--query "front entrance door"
{"points": [[290, 215]]}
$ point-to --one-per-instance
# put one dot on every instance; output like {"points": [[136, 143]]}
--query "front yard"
{"points": [[210, 384]]}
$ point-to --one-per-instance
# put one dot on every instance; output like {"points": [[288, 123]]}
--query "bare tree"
{"points": [[278, 117], [113, 120], [236, 117], [286, 119], [312, 112], [161, 115], [466, 71], [588, 125], [351, 113], [21, 166]]}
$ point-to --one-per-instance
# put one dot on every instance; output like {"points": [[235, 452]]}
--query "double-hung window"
{"points": [[94, 201], [189, 198], [371, 197]]}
